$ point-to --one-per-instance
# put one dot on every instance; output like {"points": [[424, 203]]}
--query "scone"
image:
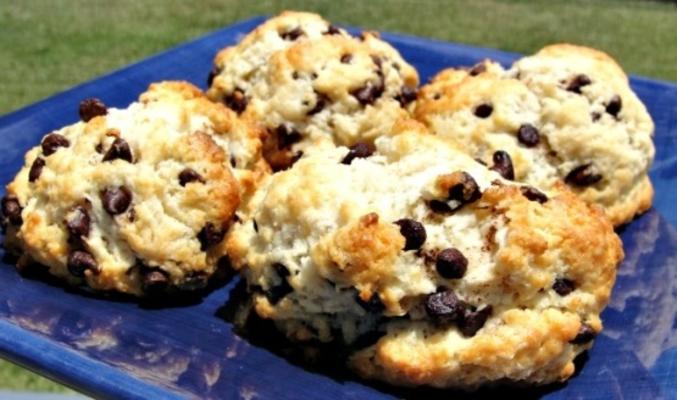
{"points": [[133, 200], [312, 84], [565, 114], [429, 267]]}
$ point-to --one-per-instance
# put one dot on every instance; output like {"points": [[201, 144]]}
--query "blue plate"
{"points": [[118, 349]]}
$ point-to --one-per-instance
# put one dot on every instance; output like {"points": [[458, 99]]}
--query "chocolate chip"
{"points": [[116, 200], [154, 281], [11, 210], [346, 58], [585, 334], [595, 116], [563, 286], [533, 194], [286, 137], [477, 69], [583, 175], [578, 82], [368, 93], [90, 108], [78, 221], [359, 150], [413, 232], [445, 307], [614, 105], [255, 226], [80, 261], [373, 305], [528, 135], [209, 235], [320, 103], [212, 74], [484, 110], [451, 264], [189, 175], [332, 30], [440, 207], [119, 149], [473, 321], [503, 165], [194, 281], [377, 60], [52, 142], [465, 190], [292, 34], [236, 101], [277, 292], [406, 96], [36, 169]]}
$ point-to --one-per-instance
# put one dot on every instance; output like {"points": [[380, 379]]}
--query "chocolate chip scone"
{"points": [[314, 87], [133, 200], [565, 114], [429, 267]]}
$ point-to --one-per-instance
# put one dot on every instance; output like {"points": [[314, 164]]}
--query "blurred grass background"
{"points": [[50, 45]]}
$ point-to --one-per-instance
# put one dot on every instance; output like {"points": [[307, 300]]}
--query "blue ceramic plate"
{"points": [[118, 349]]}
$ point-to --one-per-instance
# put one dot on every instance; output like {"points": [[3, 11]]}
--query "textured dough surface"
{"points": [[324, 260], [601, 123], [157, 228], [318, 86]]}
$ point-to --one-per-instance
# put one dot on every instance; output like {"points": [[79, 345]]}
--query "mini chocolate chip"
{"points": [[473, 321], [209, 235], [292, 34], [36, 169], [377, 60], [255, 225], [614, 105], [445, 306], [119, 149], [155, 281], [477, 69], [595, 116], [359, 150], [11, 210], [320, 103], [528, 135], [503, 165], [90, 108], [79, 261], [413, 232], [78, 221], [440, 207], [212, 74], [533, 194], [578, 82], [484, 110], [286, 137], [116, 200], [195, 281], [368, 93], [583, 175], [406, 96], [563, 286], [52, 142], [466, 190], [346, 58], [585, 334], [189, 175], [373, 305], [233, 161], [236, 101], [451, 264], [99, 148], [277, 292], [332, 30]]}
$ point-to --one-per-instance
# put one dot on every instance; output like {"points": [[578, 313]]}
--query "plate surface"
{"points": [[118, 349]]}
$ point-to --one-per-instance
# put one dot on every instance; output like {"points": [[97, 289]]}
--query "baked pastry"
{"points": [[564, 114], [312, 84], [134, 200], [430, 268]]}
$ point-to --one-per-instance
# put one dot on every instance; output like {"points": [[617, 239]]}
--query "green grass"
{"points": [[13, 377], [49, 45]]}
